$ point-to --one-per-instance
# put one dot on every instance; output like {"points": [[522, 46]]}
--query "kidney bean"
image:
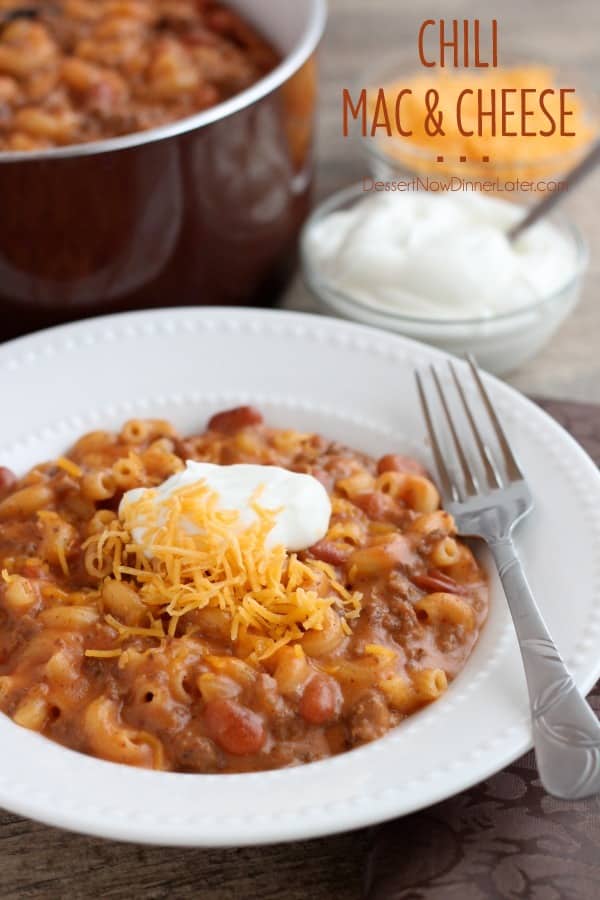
{"points": [[323, 476], [8, 479], [231, 420], [330, 552], [433, 581], [234, 727], [377, 505], [395, 462], [34, 568], [321, 700]]}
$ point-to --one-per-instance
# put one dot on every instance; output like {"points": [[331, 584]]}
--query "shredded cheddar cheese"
{"points": [[195, 556], [539, 155]]}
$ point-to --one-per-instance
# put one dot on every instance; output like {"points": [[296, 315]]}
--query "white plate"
{"points": [[355, 384]]}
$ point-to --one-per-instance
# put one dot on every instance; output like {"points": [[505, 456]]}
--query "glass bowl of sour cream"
{"points": [[439, 268]]}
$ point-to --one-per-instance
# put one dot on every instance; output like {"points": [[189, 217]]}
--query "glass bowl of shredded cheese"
{"points": [[499, 124]]}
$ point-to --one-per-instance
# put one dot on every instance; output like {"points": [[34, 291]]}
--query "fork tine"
{"points": [[512, 468], [492, 475], [470, 481], [446, 482]]}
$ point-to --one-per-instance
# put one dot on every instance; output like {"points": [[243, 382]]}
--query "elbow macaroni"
{"points": [[90, 662], [441, 608]]}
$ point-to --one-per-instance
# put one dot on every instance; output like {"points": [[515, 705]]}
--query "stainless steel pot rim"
{"points": [[262, 88]]}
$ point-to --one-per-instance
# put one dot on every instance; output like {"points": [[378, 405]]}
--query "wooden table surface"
{"points": [[41, 862]]}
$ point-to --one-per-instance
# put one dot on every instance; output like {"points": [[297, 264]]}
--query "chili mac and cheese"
{"points": [[216, 652]]}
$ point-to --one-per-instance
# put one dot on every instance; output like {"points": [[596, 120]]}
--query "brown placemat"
{"points": [[504, 838]]}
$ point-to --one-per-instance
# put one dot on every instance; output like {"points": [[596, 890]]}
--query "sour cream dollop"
{"points": [[305, 508], [435, 256]]}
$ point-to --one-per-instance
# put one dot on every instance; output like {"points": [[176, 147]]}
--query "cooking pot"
{"points": [[204, 210]]}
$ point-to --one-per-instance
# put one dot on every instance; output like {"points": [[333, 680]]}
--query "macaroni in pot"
{"points": [[73, 71]]}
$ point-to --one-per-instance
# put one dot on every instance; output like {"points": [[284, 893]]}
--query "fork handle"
{"points": [[566, 733]]}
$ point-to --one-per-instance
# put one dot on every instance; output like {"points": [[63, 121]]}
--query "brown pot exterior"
{"points": [[207, 217]]}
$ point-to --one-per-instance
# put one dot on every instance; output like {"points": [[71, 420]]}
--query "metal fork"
{"points": [[566, 733]]}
